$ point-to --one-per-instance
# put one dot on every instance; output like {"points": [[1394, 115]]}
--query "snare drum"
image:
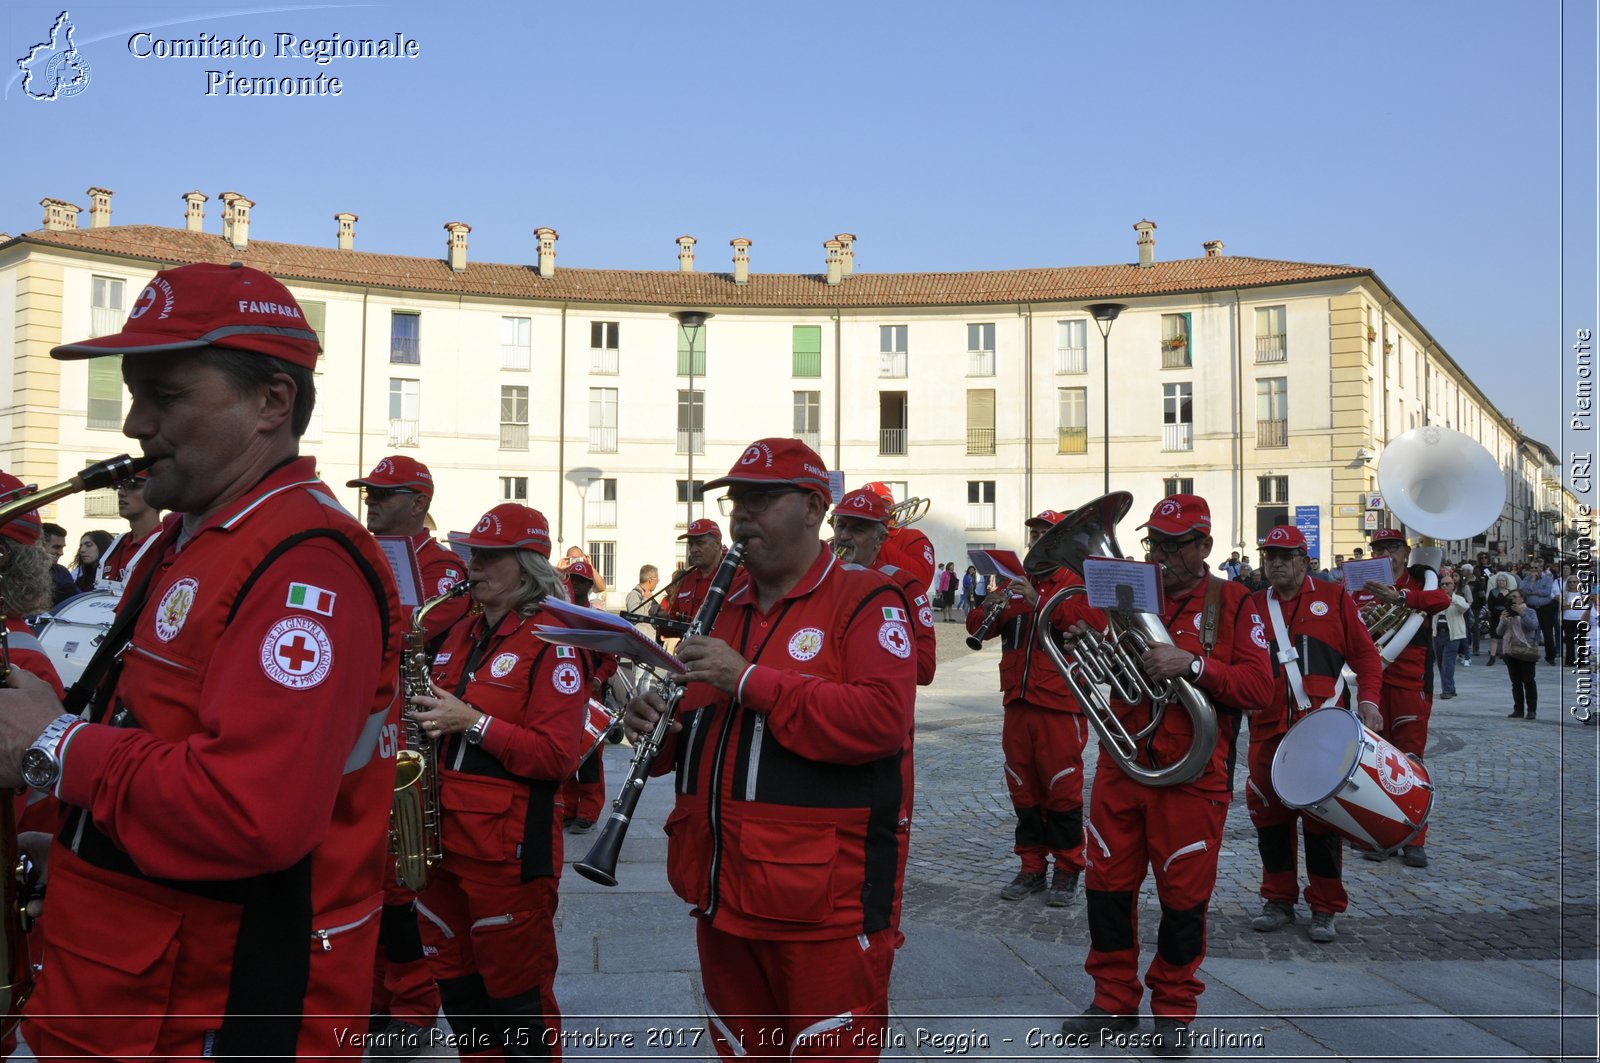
{"points": [[1340, 773], [72, 631]]}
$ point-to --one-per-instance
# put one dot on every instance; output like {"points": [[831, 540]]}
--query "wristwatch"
{"points": [[474, 734], [41, 766], [1196, 666]]}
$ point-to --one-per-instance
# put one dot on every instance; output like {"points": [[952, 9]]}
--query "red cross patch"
{"points": [[297, 653], [1394, 771], [893, 636]]}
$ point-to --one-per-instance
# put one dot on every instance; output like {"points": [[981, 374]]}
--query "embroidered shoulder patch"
{"points": [[174, 608], [297, 653], [893, 636], [566, 678]]}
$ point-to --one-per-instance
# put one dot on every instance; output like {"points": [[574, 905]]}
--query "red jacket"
{"points": [[118, 565], [920, 619], [1236, 676], [441, 569], [1413, 669], [909, 549], [1027, 674], [785, 825], [689, 594], [499, 797], [1325, 629]]}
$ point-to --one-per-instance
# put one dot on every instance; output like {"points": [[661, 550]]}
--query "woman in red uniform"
{"points": [[509, 710]]}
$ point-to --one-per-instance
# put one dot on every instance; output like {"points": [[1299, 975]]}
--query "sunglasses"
{"points": [[383, 494], [1167, 546], [753, 502]]}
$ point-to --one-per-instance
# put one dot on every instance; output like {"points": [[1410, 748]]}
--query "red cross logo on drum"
{"points": [[1394, 773], [296, 654]]}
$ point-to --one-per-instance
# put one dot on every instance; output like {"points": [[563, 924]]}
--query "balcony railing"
{"points": [[1272, 348], [516, 356], [403, 433], [513, 436], [1174, 357], [105, 413], [602, 440], [100, 503], [1072, 440], [688, 511], [980, 363], [691, 441], [604, 360], [405, 349], [891, 441], [810, 439], [980, 514], [892, 363], [105, 321], [1072, 359], [1272, 433], [1177, 437], [980, 441], [602, 513]]}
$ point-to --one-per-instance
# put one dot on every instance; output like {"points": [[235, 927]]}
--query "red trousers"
{"points": [[1405, 725], [1043, 751], [1175, 835], [1275, 840], [811, 1000]]}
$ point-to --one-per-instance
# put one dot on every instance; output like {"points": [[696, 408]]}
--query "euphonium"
{"points": [[1112, 658], [414, 818]]}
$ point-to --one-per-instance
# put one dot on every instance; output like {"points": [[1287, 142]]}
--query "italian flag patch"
{"points": [[891, 613], [312, 599]]}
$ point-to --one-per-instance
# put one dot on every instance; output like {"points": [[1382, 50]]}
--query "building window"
{"points": [[405, 337], [516, 343], [105, 392], [980, 503], [1177, 485], [514, 489], [604, 556], [317, 317], [602, 420], [1072, 435], [602, 503], [1271, 340], [980, 349], [892, 350], [808, 350], [405, 412], [690, 509], [514, 417], [1177, 416], [898, 489], [691, 422], [891, 422], [1272, 509], [101, 503], [1174, 341], [980, 421], [1272, 411], [1072, 346], [808, 418], [106, 313], [695, 366], [604, 347]]}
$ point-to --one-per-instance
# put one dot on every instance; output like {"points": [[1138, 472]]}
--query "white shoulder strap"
{"points": [[1290, 659]]}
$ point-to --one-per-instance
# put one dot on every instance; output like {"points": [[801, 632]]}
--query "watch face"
{"points": [[39, 769]]}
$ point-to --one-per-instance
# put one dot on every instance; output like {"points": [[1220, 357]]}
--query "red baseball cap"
{"points": [[881, 489], [1047, 518], [209, 305], [702, 527], [581, 569], [25, 527], [398, 472], [1388, 535], [1180, 514], [864, 504], [1284, 537], [509, 526], [778, 460]]}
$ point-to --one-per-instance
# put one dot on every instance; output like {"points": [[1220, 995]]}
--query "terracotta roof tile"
{"points": [[673, 288]]}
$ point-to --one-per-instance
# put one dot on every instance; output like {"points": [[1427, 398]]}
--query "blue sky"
{"points": [[1422, 139]]}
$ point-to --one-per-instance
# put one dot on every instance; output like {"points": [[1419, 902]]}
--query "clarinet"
{"points": [[601, 863]]}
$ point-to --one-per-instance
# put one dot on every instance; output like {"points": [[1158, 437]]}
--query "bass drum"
{"points": [[73, 630]]}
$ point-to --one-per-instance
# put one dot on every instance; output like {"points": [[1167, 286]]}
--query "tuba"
{"points": [[1111, 658], [906, 513], [415, 838]]}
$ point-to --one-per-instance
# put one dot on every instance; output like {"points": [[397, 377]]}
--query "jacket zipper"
{"points": [[157, 657], [714, 807], [324, 935], [753, 765]]}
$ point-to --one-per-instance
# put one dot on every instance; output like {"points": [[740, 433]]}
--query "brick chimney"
{"points": [[741, 260], [848, 255], [1147, 242], [547, 250], [835, 260], [194, 211], [1213, 248], [59, 215], [227, 214], [241, 223], [456, 244], [99, 208], [686, 254], [347, 229]]}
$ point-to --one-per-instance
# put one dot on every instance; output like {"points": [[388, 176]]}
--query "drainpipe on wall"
{"points": [[1238, 422], [561, 437], [1026, 313], [361, 399], [838, 454]]}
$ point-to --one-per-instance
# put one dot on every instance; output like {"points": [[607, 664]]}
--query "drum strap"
{"points": [[1290, 659]]}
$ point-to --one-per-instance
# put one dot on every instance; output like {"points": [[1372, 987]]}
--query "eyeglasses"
{"points": [[754, 502], [383, 494], [1167, 546], [134, 486]]}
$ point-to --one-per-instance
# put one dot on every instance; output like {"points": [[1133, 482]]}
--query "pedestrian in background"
{"points": [[1450, 627], [1520, 637]]}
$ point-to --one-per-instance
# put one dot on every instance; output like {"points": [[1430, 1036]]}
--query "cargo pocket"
{"points": [[783, 871], [477, 818], [688, 857]]}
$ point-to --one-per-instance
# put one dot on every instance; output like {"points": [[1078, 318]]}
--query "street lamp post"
{"points": [[1104, 314], [691, 322], [581, 478]]}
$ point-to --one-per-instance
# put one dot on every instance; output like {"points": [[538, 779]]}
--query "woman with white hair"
{"points": [[1501, 584]]}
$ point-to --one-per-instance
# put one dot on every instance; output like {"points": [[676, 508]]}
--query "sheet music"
{"points": [[403, 563], [596, 629], [1004, 565], [1115, 583], [1357, 573]]}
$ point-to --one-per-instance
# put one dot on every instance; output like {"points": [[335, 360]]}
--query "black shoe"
{"points": [[1063, 885], [1171, 1039], [1532, 715], [1095, 1021], [1025, 883], [1515, 714], [400, 1040], [1415, 856], [581, 826]]}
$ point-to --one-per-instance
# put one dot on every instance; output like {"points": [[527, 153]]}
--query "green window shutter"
{"points": [[808, 350], [317, 318], [699, 366], [105, 392]]}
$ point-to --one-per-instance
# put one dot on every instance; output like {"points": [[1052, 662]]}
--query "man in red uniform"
{"points": [[1406, 700], [788, 747], [398, 492], [1043, 735], [860, 526], [704, 554], [1315, 630], [216, 885], [905, 547], [144, 528], [1174, 831]]}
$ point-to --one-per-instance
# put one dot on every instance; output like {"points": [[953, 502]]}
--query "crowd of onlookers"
{"points": [[85, 570]]}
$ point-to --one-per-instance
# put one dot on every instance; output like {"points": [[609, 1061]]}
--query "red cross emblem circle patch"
{"points": [[297, 653], [894, 637]]}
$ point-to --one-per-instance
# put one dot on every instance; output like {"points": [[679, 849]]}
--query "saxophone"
{"points": [[414, 818]]}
